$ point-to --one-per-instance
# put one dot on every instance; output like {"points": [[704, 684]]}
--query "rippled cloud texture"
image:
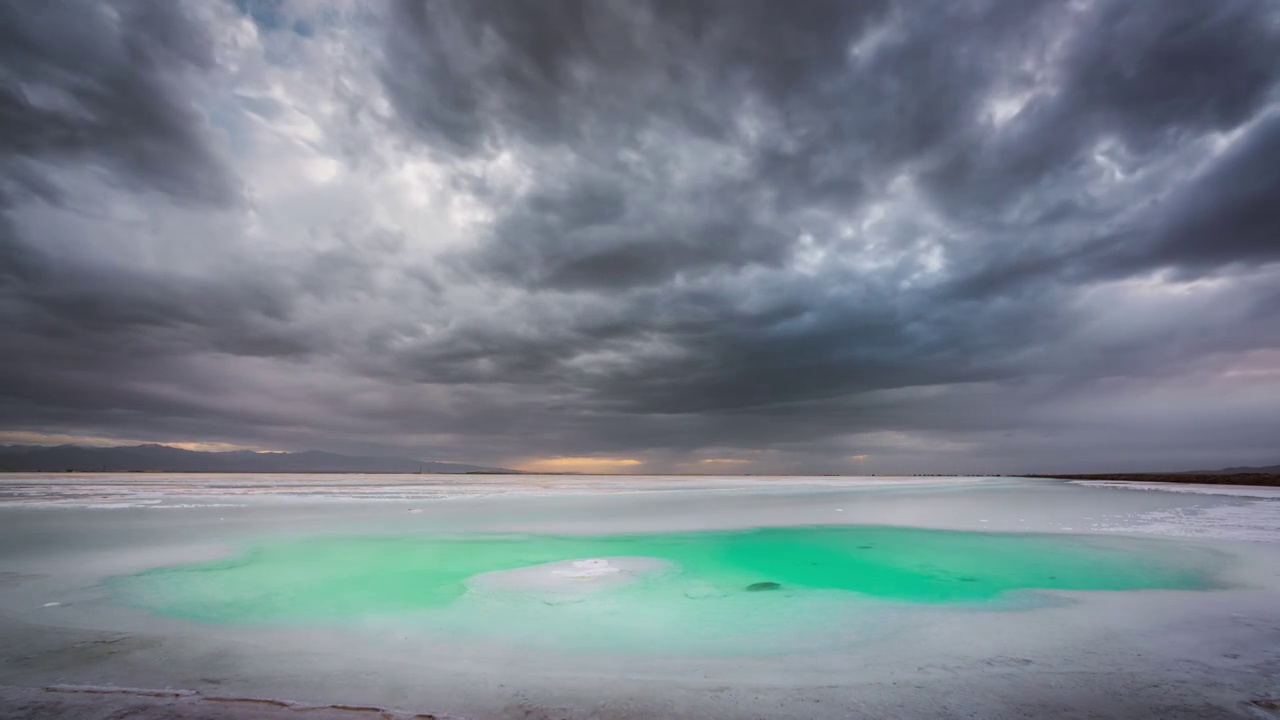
{"points": [[701, 236]]}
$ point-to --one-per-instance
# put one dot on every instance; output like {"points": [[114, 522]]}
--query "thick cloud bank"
{"points": [[664, 236]]}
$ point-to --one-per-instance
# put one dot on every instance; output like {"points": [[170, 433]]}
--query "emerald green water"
{"points": [[701, 596]]}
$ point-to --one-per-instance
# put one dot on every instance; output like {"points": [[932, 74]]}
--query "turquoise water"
{"points": [[804, 578]]}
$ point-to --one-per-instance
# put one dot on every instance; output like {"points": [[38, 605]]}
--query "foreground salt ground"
{"points": [[108, 703], [1169, 654]]}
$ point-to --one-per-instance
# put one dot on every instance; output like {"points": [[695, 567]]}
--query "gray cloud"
{"points": [[1228, 215], [101, 85], [970, 236]]}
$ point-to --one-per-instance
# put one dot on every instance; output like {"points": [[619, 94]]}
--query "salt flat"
{"points": [[96, 573]]}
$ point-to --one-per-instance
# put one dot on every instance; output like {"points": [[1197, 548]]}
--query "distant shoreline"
{"points": [[1262, 479], [1255, 479]]}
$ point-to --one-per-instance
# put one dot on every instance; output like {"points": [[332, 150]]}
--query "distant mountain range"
{"points": [[163, 458], [1269, 469]]}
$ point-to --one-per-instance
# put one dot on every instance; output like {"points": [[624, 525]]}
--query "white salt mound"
{"points": [[568, 577], [585, 569]]}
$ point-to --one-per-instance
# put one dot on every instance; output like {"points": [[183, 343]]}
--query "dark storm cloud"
{"points": [[959, 234], [1229, 215], [477, 73], [103, 87], [634, 91], [1148, 76], [1021, 203], [1150, 80], [100, 83], [601, 77], [593, 235]]}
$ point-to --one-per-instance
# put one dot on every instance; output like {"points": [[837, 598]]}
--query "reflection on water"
{"points": [[724, 589]]}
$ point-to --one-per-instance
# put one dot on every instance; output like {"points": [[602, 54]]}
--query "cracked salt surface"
{"points": [[1229, 513]]}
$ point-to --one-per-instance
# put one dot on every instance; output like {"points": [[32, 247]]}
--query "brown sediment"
{"points": [[193, 699], [1265, 707], [254, 701]]}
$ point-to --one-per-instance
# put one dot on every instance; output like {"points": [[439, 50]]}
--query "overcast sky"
{"points": [[737, 236]]}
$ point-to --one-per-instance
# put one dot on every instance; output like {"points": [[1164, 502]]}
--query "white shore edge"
{"points": [[1249, 491]]}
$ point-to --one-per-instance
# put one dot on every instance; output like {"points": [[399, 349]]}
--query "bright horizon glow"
{"points": [[576, 464]]}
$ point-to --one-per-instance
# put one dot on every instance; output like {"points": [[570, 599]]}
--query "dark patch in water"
{"points": [[757, 587]]}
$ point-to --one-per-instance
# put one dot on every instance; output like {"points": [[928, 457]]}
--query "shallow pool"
{"points": [[662, 591]]}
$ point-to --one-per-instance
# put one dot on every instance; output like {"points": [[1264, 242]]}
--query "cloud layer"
{"points": [[707, 236]]}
